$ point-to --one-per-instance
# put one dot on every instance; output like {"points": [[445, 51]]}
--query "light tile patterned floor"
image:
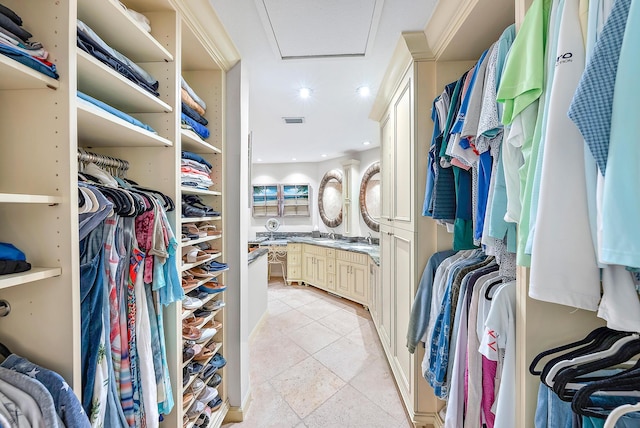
{"points": [[317, 362]]}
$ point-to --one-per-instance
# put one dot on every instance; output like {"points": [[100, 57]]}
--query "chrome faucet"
{"points": [[369, 239], [332, 235]]}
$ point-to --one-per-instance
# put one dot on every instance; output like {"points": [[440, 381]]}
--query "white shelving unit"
{"points": [[188, 266], [193, 143], [112, 23], [13, 198], [191, 191], [34, 274], [109, 86], [99, 128], [38, 160], [19, 76]]}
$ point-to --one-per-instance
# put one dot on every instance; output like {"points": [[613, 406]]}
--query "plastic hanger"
{"points": [[4, 351], [598, 355], [592, 336], [619, 412]]}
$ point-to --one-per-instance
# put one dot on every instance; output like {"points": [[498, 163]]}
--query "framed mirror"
{"points": [[370, 197], [330, 198]]}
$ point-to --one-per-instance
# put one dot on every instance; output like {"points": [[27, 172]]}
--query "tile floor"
{"points": [[316, 361]]}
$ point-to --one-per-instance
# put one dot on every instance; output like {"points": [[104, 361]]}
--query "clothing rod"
{"points": [[102, 160]]}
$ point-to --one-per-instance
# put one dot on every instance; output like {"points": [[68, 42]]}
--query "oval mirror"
{"points": [[330, 198], [370, 197]]}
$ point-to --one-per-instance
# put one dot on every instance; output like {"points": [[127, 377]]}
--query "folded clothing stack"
{"points": [[12, 260], [193, 110], [138, 18], [14, 43], [195, 171], [82, 97], [91, 43]]}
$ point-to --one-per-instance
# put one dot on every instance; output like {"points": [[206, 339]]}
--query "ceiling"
{"points": [[332, 47]]}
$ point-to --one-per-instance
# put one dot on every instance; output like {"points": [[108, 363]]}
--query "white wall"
{"points": [[312, 173]]}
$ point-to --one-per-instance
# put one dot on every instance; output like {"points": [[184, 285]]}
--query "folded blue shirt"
{"points": [[29, 61], [10, 252], [199, 129], [115, 112]]}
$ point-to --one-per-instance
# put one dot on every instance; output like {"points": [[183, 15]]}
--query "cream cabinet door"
{"points": [[402, 278], [403, 174], [359, 287], [320, 272], [387, 303], [342, 277], [308, 267], [386, 169]]}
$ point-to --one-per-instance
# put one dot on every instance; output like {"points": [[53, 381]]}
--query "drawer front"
{"points": [[331, 282], [331, 253], [293, 259], [294, 248], [294, 273], [331, 265]]}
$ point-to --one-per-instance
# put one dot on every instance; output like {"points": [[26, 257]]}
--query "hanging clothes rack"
{"points": [[117, 167]]}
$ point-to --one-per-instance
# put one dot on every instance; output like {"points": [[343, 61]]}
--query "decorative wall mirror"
{"points": [[370, 197], [330, 198]]}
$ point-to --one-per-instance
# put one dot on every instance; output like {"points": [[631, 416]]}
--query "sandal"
{"points": [[200, 273], [189, 282], [191, 333], [189, 211], [193, 230], [195, 255], [192, 321], [211, 229], [204, 355]]}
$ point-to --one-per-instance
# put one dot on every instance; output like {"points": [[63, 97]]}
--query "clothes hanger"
{"points": [[592, 336], [619, 412], [626, 352], [587, 358], [4, 351], [491, 287], [627, 381], [602, 340]]}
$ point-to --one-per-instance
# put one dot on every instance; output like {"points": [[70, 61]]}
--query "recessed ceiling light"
{"points": [[259, 160], [323, 155], [293, 159], [366, 143], [364, 91], [305, 92]]}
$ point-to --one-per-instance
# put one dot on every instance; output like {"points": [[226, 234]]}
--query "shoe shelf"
{"points": [[186, 315], [35, 274], [17, 198], [208, 318], [217, 417], [204, 363], [109, 86], [113, 24], [98, 128], [192, 241], [193, 191], [19, 76], [199, 219], [218, 346], [193, 143], [187, 266]]}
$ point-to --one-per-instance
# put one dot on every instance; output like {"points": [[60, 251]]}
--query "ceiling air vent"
{"points": [[292, 120]]}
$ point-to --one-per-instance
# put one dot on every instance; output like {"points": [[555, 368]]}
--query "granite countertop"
{"points": [[358, 245], [256, 254]]}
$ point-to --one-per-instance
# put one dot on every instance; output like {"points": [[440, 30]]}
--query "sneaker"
{"points": [[215, 381], [208, 371], [215, 404], [208, 394], [213, 305], [212, 287], [218, 361], [191, 303], [195, 409]]}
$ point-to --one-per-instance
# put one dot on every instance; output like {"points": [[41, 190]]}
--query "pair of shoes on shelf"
{"points": [[213, 305], [212, 287], [215, 381], [194, 206], [208, 371], [191, 303], [191, 333], [215, 404], [214, 266], [209, 330], [218, 361]]}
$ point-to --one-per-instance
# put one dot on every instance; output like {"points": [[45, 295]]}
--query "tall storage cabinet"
{"points": [[44, 124], [453, 40]]}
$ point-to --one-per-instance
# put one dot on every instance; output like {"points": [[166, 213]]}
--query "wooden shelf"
{"points": [[199, 219], [29, 199], [114, 25], [193, 143], [198, 241], [35, 274], [188, 266], [98, 128], [18, 76], [191, 191], [111, 87]]}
